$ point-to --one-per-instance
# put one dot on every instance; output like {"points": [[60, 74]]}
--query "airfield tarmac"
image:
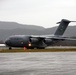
{"points": [[38, 63]]}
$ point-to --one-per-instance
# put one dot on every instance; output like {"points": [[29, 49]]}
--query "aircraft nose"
{"points": [[7, 42]]}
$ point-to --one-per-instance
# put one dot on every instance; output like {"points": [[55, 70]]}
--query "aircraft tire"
{"points": [[10, 48], [31, 48], [40, 47]]}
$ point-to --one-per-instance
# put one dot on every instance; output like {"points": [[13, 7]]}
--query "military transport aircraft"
{"points": [[39, 41]]}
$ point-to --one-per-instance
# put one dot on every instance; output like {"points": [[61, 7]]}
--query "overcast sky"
{"points": [[37, 12]]}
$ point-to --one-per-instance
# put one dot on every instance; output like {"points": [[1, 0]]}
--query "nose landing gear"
{"points": [[10, 48]]}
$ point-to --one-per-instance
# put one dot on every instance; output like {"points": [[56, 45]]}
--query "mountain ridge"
{"points": [[12, 28]]}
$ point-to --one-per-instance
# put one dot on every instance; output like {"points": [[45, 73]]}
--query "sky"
{"points": [[37, 12]]}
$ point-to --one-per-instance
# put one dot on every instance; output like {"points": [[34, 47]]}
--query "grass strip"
{"points": [[38, 50]]}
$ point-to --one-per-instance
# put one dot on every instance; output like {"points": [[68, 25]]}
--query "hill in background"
{"points": [[12, 28]]}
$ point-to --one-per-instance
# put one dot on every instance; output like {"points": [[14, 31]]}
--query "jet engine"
{"points": [[48, 41], [34, 40]]}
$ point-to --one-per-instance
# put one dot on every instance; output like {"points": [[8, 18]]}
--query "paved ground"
{"points": [[44, 63], [2, 46]]}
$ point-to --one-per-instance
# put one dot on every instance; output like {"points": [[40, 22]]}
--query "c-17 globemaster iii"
{"points": [[39, 41]]}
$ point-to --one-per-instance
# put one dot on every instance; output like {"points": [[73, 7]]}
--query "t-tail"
{"points": [[62, 27]]}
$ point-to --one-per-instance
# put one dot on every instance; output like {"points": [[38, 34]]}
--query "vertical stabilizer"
{"points": [[62, 27]]}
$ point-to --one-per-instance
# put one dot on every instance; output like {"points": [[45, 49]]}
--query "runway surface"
{"points": [[44, 63], [3, 46]]}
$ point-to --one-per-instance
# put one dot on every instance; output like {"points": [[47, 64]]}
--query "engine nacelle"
{"points": [[34, 40], [48, 41]]}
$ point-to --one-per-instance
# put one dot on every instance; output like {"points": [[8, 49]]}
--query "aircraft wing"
{"points": [[53, 38], [62, 38], [38, 36]]}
